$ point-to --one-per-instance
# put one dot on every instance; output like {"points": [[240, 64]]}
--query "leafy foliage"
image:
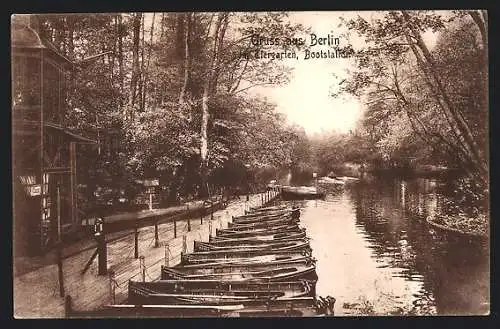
{"points": [[141, 79], [411, 108]]}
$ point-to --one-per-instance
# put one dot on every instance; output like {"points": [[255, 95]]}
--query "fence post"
{"points": [[112, 286], [211, 209], [175, 228], [157, 239], [202, 210], [68, 307], [102, 254], [189, 218], [142, 265], [60, 268], [136, 241], [184, 244], [167, 254]]}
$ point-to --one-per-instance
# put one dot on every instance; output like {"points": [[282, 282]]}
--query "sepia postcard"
{"points": [[250, 164]]}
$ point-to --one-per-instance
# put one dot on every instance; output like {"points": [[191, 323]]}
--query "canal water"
{"points": [[377, 255]]}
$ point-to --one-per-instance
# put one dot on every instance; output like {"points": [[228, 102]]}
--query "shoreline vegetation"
{"points": [[465, 212], [466, 226]]}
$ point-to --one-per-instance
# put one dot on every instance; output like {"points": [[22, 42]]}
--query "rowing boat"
{"points": [[204, 257], [231, 266], [253, 262], [300, 193], [144, 297], [280, 245], [262, 224], [224, 241], [251, 228], [291, 288], [267, 209], [164, 290], [163, 310], [281, 274], [259, 231], [298, 306], [262, 218], [250, 216]]}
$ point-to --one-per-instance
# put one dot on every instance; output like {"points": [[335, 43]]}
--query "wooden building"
{"points": [[43, 150]]}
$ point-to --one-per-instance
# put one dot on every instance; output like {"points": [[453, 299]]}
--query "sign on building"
{"points": [[35, 190], [151, 182]]}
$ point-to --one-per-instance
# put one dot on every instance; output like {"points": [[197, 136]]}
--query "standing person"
{"points": [[362, 169]]}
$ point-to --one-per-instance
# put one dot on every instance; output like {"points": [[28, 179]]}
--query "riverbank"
{"points": [[462, 225]]}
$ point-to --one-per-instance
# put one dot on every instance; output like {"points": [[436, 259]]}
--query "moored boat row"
{"points": [[261, 265]]}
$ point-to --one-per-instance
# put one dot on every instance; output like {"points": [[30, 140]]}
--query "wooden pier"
{"points": [[37, 293], [243, 269]]}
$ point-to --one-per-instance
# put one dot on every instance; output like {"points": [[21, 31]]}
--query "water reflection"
{"points": [[455, 277], [376, 254]]}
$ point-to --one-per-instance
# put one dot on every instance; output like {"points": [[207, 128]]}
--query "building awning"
{"points": [[69, 133]]}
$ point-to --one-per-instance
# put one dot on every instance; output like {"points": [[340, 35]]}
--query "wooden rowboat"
{"points": [[286, 307], [282, 274], [263, 224], [144, 297], [204, 285], [267, 209], [251, 216], [300, 193], [165, 291], [162, 310], [238, 253], [293, 307], [223, 241], [253, 262], [262, 218], [280, 245], [260, 231], [204, 257], [243, 266], [254, 217]]}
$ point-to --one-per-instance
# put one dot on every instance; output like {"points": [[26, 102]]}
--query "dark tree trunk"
{"points": [[187, 57], [120, 62], [136, 27]]}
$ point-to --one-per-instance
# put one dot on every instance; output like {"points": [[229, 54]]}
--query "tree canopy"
{"points": [[174, 88]]}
